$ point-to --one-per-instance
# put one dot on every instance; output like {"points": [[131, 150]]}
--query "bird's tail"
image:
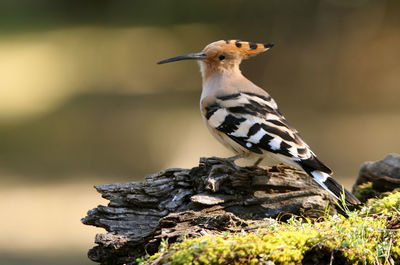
{"points": [[333, 187]]}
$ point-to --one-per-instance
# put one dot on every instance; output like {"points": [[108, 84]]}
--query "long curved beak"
{"points": [[190, 56]]}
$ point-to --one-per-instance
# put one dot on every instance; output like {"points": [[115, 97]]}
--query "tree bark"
{"points": [[214, 197]]}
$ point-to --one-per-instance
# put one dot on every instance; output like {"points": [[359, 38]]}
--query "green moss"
{"points": [[388, 204], [365, 191], [362, 238], [395, 250]]}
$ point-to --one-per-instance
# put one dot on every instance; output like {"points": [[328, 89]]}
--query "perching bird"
{"points": [[245, 118]]}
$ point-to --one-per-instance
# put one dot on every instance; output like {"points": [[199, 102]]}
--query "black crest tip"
{"points": [[269, 45]]}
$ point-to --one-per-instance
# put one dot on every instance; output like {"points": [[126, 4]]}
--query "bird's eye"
{"points": [[221, 57]]}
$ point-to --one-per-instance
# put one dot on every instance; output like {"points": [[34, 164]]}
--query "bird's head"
{"points": [[223, 55]]}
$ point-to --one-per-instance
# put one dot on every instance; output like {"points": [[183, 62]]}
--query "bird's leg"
{"points": [[258, 162], [236, 157], [231, 160]]}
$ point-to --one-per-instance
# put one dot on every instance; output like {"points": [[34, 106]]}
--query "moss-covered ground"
{"points": [[366, 236]]}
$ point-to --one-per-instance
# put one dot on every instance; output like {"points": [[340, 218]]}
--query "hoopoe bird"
{"points": [[246, 119]]}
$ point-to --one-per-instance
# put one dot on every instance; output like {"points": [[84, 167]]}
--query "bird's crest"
{"points": [[244, 48]]}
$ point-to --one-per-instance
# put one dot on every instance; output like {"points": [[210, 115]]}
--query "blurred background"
{"points": [[82, 101]]}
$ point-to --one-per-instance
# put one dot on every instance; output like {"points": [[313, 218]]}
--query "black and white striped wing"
{"points": [[255, 122]]}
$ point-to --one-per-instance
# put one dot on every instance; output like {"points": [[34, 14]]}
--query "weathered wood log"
{"points": [[383, 174], [215, 196]]}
